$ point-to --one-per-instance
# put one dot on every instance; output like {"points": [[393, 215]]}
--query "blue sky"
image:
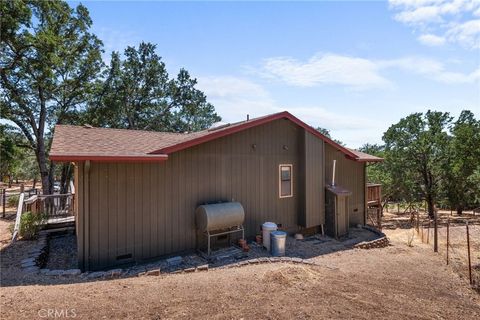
{"points": [[352, 67]]}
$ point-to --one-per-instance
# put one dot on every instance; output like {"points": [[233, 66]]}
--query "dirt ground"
{"points": [[403, 281], [16, 186], [402, 225], [5, 225], [397, 282]]}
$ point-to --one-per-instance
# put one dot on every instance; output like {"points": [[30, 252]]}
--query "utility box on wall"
{"points": [[336, 211]]}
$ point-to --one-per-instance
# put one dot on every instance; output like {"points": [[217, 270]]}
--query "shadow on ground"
{"points": [[61, 255]]}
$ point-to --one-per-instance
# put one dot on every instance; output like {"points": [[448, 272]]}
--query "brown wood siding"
{"points": [[314, 186], [350, 175], [79, 211], [147, 209]]}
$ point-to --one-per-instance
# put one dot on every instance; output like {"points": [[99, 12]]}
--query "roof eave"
{"points": [[370, 160], [103, 158]]}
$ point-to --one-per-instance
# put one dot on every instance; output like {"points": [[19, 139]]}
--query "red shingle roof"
{"points": [[77, 143]]}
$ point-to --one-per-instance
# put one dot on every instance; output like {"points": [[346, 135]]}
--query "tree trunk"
{"points": [[459, 210], [66, 177], [47, 185], [431, 207], [34, 183], [51, 176]]}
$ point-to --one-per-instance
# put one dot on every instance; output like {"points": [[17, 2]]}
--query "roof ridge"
{"points": [[124, 130], [129, 142]]}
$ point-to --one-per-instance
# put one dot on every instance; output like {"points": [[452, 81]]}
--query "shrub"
{"points": [[12, 200], [30, 224]]}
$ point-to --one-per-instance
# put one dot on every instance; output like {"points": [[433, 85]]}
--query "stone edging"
{"points": [[37, 255], [377, 243], [116, 273], [263, 260]]}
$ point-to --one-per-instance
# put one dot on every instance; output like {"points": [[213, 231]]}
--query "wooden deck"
{"points": [[57, 207], [60, 222]]}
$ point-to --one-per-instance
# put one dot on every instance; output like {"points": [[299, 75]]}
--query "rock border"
{"points": [[117, 273], [263, 260], [377, 243], [37, 255], [381, 242]]}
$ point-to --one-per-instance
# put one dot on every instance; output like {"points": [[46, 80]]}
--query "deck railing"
{"points": [[52, 205], [374, 205], [374, 193]]}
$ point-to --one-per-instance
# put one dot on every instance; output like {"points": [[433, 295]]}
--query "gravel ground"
{"points": [[62, 251], [397, 282]]}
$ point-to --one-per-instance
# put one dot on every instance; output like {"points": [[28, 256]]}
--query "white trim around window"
{"points": [[285, 180]]}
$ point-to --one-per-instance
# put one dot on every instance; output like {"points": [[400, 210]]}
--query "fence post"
{"points": [[422, 232], [448, 236], [469, 261], [4, 200], [418, 222], [435, 232], [428, 232]]}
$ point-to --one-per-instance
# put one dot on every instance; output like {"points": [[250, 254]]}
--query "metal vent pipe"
{"points": [[333, 172]]}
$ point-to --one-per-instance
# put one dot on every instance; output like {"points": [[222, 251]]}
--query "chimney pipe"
{"points": [[248, 117], [333, 173]]}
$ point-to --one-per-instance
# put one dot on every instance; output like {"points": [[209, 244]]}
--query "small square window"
{"points": [[285, 181]]}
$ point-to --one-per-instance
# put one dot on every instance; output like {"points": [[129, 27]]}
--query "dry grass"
{"points": [[398, 282]]}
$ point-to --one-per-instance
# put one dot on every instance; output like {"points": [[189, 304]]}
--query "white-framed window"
{"points": [[285, 180]]}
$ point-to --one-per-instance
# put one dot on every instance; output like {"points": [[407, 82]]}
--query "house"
{"points": [[137, 191]]}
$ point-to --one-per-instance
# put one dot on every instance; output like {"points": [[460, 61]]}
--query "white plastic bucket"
{"points": [[267, 227]]}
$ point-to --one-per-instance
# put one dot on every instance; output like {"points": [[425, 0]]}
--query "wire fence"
{"points": [[458, 243]]}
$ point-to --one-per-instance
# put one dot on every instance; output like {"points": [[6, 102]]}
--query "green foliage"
{"points": [[30, 224], [462, 170], [415, 155], [48, 63], [51, 72], [12, 200], [28, 167], [17, 158], [138, 94], [8, 152], [378, 172], [429, 157]]}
